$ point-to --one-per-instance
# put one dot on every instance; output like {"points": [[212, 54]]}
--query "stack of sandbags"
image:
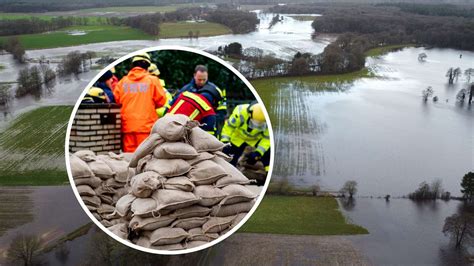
{"points": [[184, 192], [101, 182]]}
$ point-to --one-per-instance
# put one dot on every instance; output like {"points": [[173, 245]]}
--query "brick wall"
{"points": [[96, 127]]}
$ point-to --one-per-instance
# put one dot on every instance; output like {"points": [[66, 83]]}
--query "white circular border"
{"points": [[259, 198]]}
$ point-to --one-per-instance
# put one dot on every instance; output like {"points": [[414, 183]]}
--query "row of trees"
{"points": [[14, 46], [238, 21], [431, 191], [35, 25], [33, 80]]}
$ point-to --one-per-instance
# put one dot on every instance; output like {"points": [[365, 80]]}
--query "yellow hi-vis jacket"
{"points": [[161, 111], [236, 130]]}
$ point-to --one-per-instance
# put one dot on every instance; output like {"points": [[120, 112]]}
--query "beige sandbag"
{"points": [[119, 230], [189, 223], [203, 141], [118, 166], [222, 155], [91, 208], [92, 181], [233, 209], [180, 183], [97, 216], [142, 163], [101, 169], [175, 150], [196, 234], [168, 167], [234, 175], [113, 215], [92, 201], [112, 183], [209, 195], [203, 156], [85, 191], [104, 189], [167, 235], [145, 148], [85, 155], [107, 199], [191, 211], [120, 192], [110, 223], [105, 209], [172, 127], [217, 224], [79, 168], [143, 206], [127, 156], [144, 242], [193, 244], [257, 190], [237, 193], [124, 204], [237, 218], [149, 224], [142, 185], [206, 173], [173, 199], [169, 247]]}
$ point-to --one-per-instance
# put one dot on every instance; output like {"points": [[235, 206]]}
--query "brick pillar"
{"points": [[96, 127]]}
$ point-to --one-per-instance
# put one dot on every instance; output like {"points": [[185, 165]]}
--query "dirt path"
{"points": [[271, 249]]}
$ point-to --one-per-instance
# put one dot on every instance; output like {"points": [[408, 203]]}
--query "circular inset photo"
{"points": [[169, 150]]}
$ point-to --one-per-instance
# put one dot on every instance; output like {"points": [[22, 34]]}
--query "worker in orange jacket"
{"points": [[199, 106], [140, 95]]}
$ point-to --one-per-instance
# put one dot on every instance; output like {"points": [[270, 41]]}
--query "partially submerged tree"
{"points": [[426, 93], [460, 228], [350, 187], [26, 250], [453, 74], [422, 57], [467, 185], [469, 73]]}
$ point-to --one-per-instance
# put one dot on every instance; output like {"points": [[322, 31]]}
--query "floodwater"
{"points": [[284, 40], [378, 131], [403, 232]]}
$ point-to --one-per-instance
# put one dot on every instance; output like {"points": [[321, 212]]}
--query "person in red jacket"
{"points": [[199, 106], [140, 95]]}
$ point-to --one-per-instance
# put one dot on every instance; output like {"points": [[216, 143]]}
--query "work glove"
{"points": [[253, 158]]}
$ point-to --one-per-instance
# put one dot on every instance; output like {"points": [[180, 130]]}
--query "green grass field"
{"points": [[32, 148], [181, 29], [385, 49], [300, 215], [136, 9], [94, 34]]}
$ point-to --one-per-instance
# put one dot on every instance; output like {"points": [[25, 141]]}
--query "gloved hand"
{"points": [[253, 158], [227, 149]]}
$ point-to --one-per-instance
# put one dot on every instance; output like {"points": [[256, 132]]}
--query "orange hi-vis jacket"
{"points": [[140, 94]]}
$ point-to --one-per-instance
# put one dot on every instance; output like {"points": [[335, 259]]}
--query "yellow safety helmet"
{"points": [[257, 113], [96, 95], [112, 70], [153, 69], [143, 57]]}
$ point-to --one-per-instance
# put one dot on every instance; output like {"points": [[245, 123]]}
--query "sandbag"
{"points": [[105, 209], [169, 247], [143, 206], [191, 211], [96, 216], [92, 181], [118, 166], [196, 234], [119, 230], [101, 169], [234, 175], [92, 201], [237, 193], [172, 127], [85, 155], [127, 156], [104, 189], [142, 164], [79, 168], [222, 155], [168, 167], [189, 223], [144, 242], [142, 185], [112, 183], [203, 156], [91, 208], [107, 199], [239, 217], [206, 173], [145, 148], [217, 224], [257, 190], [203, 141], [149, 224], [232, 209], [173, 199], [120, 192], [180, 183], [209, 195], [85, 191], [167, 235], [193, 244], [124, 204], [175, 150]]}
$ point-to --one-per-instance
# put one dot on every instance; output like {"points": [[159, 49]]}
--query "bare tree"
{"points": [[453, 74], [437, 188], [460, 227], [25, 249], [350, 187], [468, 73], [426, 93], [422, 57], [5, 95]]}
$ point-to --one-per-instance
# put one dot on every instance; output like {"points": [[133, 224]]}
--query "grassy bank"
{"points": [[182, 28], [300, 215], [304, 18], [386, 49], [32, 148]]}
